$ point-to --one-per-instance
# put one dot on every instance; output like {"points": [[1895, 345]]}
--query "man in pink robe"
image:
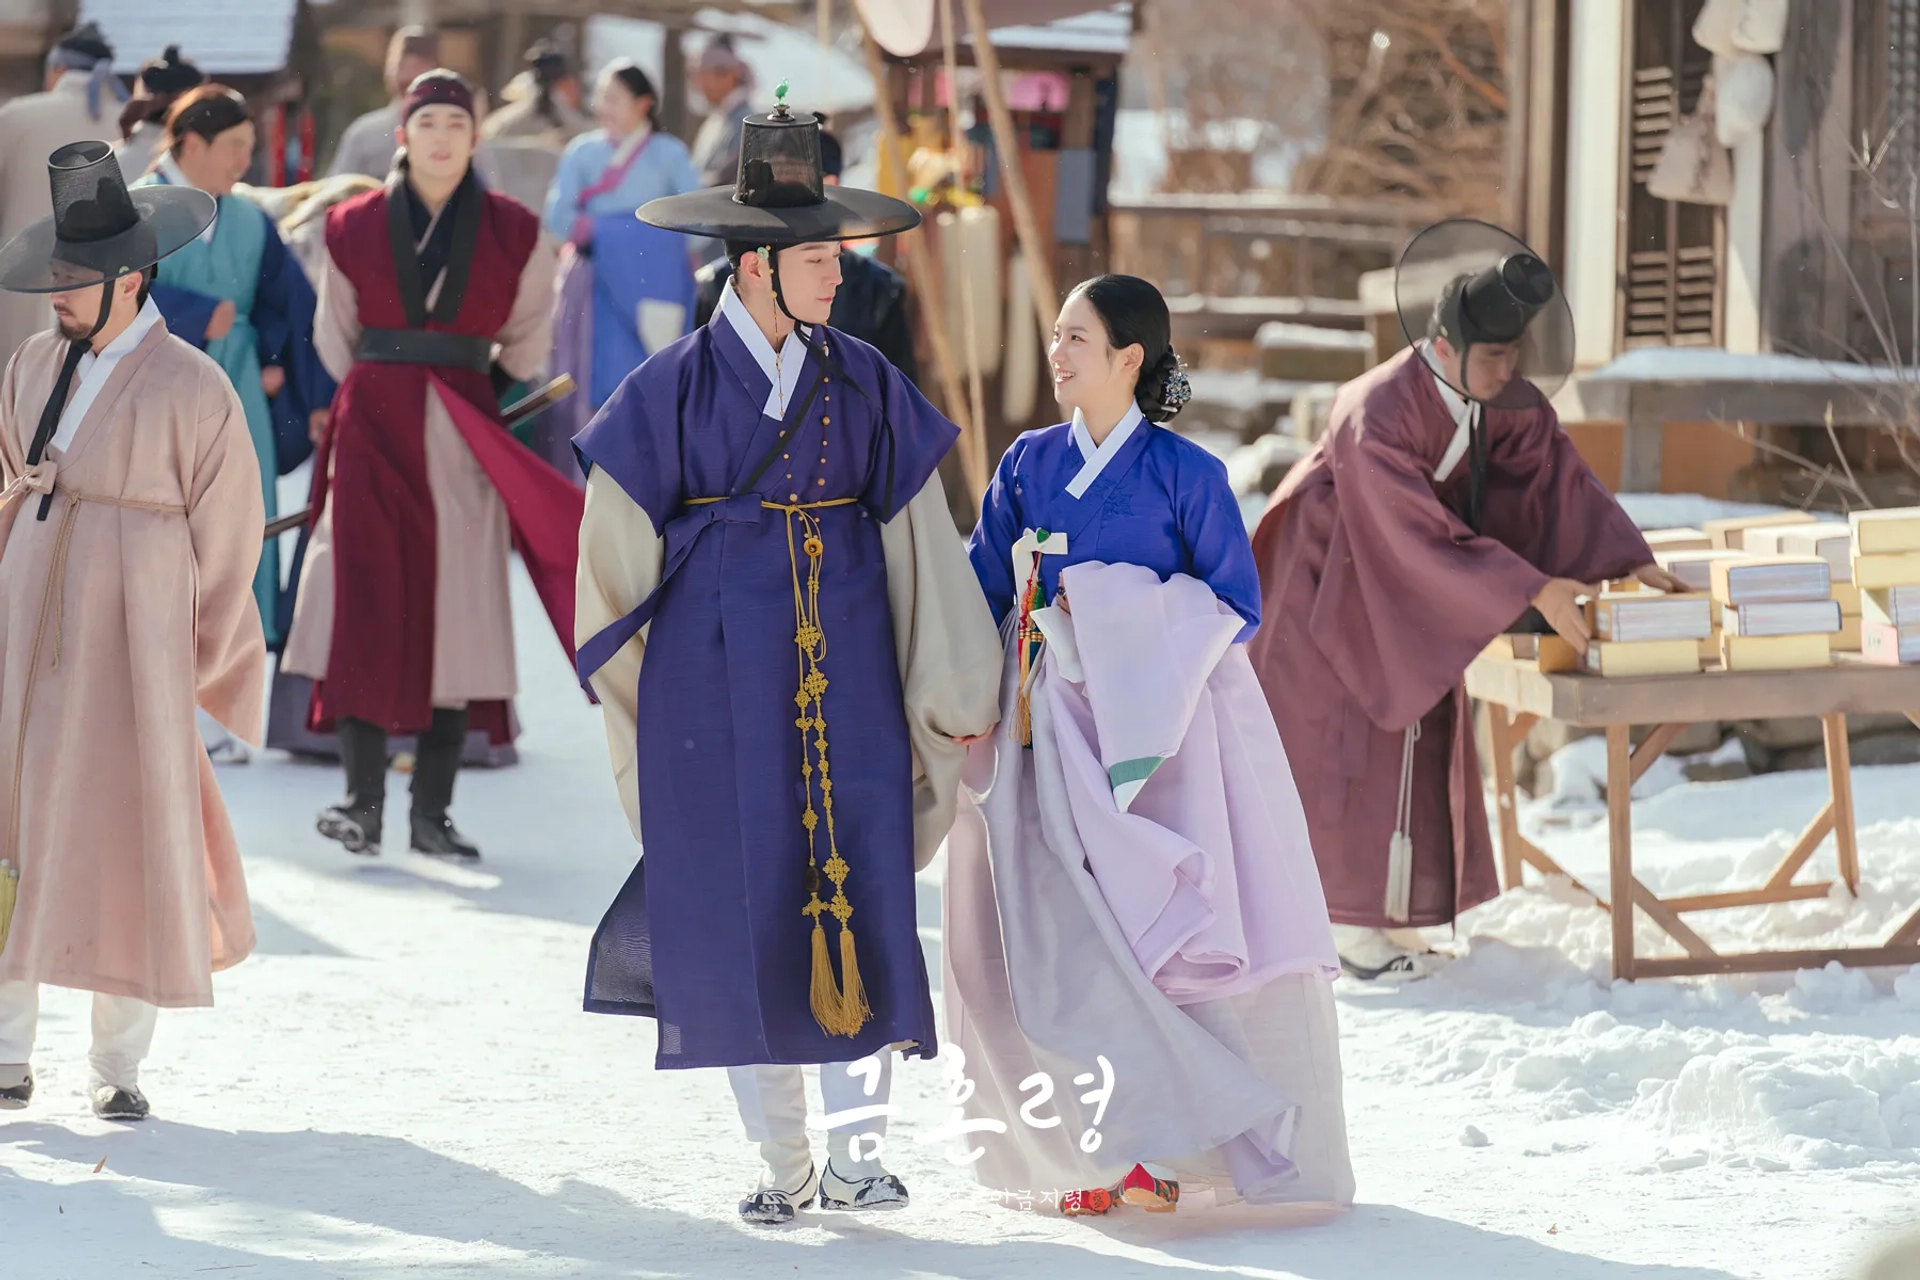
{"points": [[130, 526], [1443, 501]]}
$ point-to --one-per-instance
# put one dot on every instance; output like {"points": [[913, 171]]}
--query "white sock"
{"points": [[842, 1090], [773, 1107]]}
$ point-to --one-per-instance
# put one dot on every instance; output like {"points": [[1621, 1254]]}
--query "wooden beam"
{"points": [[927, 280], [1653, 747], [1750, 897], [1520, 96], [975, 459], [1803, 848], [1500, 729], [1046, 300], [673, 81], [1907, 933], [1543, 862], [1667, 918], [1620, 845], [1780, 961], [1840, 779]]}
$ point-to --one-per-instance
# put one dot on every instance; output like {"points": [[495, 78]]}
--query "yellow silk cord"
{"points": [[9, 894], [840, 1007]]}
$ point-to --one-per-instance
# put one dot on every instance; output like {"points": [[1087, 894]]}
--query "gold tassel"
{"points": [[824, 994], [853, 998]]}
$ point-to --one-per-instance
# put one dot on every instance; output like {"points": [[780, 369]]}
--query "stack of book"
{"points": [[1645, 633], [1832, 541], [1886, 569], [1677, 540], [1848, 597], [1693, 566], [1777, 612], [1731, 534], [1890, 627]]}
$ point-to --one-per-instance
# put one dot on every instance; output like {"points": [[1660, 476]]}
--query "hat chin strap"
{"points": [[773, 274], [57, 401]]}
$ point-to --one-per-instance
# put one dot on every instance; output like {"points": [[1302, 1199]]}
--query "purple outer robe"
{"points": [[707, 935], [1378, 596]]}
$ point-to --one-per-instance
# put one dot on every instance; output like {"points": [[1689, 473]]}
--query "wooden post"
{"points": [[957, 143], [673, 82], [1840, 779], [1046, 302], [510, 41], [1500, 730], [927, 282], [1620, 845]]}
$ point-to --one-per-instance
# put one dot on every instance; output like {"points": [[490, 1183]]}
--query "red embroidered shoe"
{"points": [[1081, 1204], [1144, 1191]]}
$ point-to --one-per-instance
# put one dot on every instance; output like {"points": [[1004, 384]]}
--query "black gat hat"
{"points": [[99, 230], [779, 198]]}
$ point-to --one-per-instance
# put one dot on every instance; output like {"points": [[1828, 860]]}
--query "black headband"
{"points": [[210, 116]]}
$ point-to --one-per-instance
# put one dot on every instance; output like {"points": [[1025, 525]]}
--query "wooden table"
{"points": [[1518, 694]]}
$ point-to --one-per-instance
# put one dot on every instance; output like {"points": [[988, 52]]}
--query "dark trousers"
{"points": [[363, 753]]}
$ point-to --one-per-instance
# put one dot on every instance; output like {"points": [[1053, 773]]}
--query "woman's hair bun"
{"points": [[1163, 390]]}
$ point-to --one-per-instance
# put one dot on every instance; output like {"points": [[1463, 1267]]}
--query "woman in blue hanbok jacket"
{"points": [[240, 296], [626, 288]]}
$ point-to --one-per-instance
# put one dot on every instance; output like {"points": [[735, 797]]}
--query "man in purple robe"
{"points": [[778, 617], [1443, 501]]}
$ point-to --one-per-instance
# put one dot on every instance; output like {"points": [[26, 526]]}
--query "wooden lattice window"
{"points": [[1902, 106], [1672, 254]]}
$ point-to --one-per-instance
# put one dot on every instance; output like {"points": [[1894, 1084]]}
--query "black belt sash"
{"points": [[426, 346]]}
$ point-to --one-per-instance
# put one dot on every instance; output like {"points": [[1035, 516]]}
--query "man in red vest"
{"points": [[436, 297]]}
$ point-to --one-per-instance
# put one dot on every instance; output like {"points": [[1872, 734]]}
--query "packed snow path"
{"points": [[401, 1082]]}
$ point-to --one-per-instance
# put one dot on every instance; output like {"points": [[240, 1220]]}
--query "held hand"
{"points": [[1558, 604], [222, 323], [1652, 575], [317, 426], [272, 378]]}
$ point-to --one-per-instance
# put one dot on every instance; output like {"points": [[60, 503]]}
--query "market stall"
{"points": [[1519, 693]]}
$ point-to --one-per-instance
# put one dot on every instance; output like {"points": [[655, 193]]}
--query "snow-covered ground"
{"points": [[400, 1082]]}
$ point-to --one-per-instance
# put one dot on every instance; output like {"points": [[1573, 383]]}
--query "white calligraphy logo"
{"points": [[1037, 1089]]}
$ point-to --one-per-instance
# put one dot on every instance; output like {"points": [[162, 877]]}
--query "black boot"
{"points": [[355, 822], [436, 763], [15, 1097]]}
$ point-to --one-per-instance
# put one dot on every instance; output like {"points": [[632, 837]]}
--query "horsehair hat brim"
{"points": [[38, 259], [1465, 253], [845, 213]]}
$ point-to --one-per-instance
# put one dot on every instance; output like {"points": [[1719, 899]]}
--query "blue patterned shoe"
{"points": [[772, 1207], [881, 1191]]}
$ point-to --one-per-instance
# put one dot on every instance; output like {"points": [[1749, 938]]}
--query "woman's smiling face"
{"points": [[1087, 371]]}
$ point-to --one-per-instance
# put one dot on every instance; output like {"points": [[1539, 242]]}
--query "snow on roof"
{"points": [[1109, 31], [829, 79], [222, 37], [1713, 364]]}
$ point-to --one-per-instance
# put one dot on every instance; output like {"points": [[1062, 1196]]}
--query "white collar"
{"points": [[1464, 413], [1097, 457], [624, 148], [782, 369], [95, 368], [174, 176]]}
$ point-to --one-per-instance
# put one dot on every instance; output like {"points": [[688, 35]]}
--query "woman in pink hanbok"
{"points": [[1138, 958]]}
